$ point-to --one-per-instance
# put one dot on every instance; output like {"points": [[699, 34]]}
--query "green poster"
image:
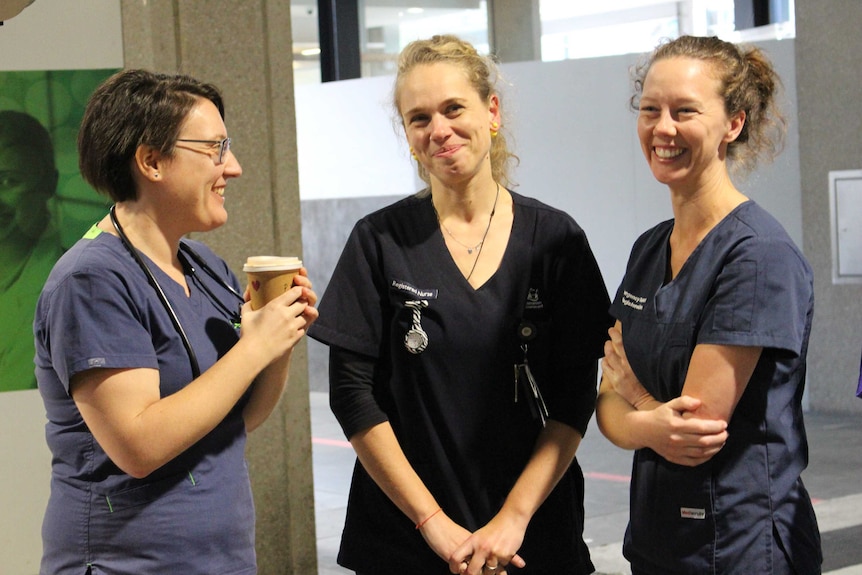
{"points": [[45, 206]]}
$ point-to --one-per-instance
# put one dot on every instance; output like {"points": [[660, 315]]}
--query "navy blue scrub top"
{"points": [[194, 515], [746, 284]]}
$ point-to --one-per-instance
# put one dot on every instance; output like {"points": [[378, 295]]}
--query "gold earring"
{"points": [[413, 153], [495, 127]]}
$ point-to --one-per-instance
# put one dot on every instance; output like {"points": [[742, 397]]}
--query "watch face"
{"points": [[416, 341]]}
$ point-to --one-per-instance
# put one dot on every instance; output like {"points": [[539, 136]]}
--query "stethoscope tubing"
{"points": [[175, 320]]}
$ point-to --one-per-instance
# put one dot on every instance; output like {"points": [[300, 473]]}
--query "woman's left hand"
{"points": [[308, 295], [617, 371], [491, 549]]}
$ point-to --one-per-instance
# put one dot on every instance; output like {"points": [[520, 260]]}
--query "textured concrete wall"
{"points": [[515, 30], [829, 82], [244, 47]]}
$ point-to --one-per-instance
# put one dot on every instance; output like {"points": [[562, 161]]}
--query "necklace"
{"points": [[478, 247]]}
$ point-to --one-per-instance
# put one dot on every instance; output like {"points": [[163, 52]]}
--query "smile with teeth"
{"points": [[219, 191], [668, 153]]}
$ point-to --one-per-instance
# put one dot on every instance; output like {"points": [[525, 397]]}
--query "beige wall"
{"points": [[829, 82]]}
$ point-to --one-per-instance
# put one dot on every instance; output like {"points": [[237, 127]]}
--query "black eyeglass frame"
{"points": [[223, 147]]}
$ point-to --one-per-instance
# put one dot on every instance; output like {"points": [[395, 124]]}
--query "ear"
{"points": [[148, 162], [494, 108], [737, 121]]}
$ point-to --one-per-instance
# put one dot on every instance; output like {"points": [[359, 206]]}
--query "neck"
{"points": [[476, 199], [696, 211], [147, 236]]}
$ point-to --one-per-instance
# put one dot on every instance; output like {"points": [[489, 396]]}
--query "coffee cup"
{"points": [[269, 277]]}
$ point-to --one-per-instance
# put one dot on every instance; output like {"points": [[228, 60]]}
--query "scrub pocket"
{"points": [[672, 522]]}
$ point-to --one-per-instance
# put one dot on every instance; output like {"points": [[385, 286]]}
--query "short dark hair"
{"points": [[130, 109]]}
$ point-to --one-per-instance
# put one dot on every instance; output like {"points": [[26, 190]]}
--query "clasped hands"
{"points": [[487, 551], [672, 429]]}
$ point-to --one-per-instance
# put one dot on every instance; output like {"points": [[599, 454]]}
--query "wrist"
{"points": [[428, 517], [644, 402], [510, 514]]}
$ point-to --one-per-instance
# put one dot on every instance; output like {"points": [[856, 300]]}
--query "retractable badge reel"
{"points": [[527, 332], [416, 339]]}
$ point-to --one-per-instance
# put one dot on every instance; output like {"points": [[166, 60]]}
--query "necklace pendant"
{"points": [[469, 251]]}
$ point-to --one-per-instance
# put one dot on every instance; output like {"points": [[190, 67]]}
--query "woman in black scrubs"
{"points": [[465, 323]]}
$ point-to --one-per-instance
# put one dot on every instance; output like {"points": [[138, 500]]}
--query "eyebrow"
{"points": [[443, 104]]}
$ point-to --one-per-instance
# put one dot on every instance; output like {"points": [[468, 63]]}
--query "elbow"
{"points": [[136, 463], [137, 469]]}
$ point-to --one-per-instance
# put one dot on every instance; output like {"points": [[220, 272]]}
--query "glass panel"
{"points": [[389, 25], [306, 42], [590, 29], [386, 26]]}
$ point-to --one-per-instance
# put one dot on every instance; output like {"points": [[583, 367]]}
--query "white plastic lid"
{"points": [[271, 264]]}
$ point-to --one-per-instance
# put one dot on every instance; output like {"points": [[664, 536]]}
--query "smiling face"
{"points": [[447, 124], [682, 124], [194, 182]]}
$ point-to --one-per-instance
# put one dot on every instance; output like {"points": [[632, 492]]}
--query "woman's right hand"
{"points": [[673, 432]]}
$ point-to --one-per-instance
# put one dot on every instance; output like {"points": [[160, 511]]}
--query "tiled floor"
{"points": [[834, 479]]}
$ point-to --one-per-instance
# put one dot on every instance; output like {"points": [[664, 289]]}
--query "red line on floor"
{"points": [[333, 442], [607, 476]]}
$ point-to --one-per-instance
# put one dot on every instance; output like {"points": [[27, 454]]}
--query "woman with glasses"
{"points": [[464, 323], [150, 381]]}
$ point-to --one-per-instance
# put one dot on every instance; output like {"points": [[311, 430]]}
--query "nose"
{"points": [[232, 169], [440, 128], [665, 124]]}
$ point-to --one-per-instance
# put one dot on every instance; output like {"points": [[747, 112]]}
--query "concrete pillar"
{"points": [[515, 30], [244, 48], [829, 81]]}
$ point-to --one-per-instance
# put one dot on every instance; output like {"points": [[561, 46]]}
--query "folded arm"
{"points": [[687, 430]]}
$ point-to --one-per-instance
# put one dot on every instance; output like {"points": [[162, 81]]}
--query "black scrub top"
{"points": [[452, 406]]}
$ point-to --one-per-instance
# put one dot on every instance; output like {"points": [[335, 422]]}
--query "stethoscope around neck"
{"points": [[175, 320]]}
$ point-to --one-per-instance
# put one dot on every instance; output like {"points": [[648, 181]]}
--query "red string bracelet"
{"points": [[424, 521]]}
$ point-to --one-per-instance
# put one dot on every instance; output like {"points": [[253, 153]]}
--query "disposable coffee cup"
{"points": [[269, 277]]}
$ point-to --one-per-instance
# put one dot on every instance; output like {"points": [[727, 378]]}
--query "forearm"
{"points": [[615, 416], [266, 391], [142, 431], [381, 455], [553, 454]]}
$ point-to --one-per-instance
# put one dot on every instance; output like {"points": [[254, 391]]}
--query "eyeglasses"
{"points": [[223, 147]]}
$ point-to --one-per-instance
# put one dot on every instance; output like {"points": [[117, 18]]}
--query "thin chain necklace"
{"points": [[478, 247]]}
